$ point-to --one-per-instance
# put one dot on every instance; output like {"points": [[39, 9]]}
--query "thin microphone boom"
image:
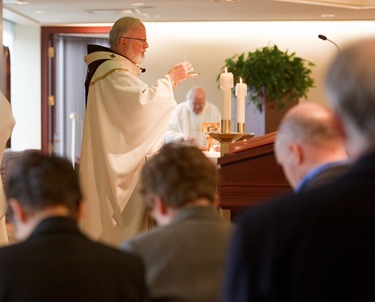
{"points": [[324, 38]]}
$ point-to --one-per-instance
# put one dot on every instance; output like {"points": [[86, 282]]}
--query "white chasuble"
{"points": [[125, 121], [185, 122], [6, 127]]}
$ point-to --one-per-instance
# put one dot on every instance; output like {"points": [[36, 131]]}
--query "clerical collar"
{"points": [[101, 53]]}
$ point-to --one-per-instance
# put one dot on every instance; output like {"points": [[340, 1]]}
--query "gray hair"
{"points": [[192, 91], [121, 28], [350, 85]]}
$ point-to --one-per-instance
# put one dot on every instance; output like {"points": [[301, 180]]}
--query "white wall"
{"points": [[206, 45], [25, 89]]}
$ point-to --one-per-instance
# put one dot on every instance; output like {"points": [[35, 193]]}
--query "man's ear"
{"points": [[80, 210], [340, 127], [18, 212], [216, 202], [123, 42], [161, 213], [296, 153], [160, 205]]}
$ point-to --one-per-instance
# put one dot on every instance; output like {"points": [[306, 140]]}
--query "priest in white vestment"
{"points": [[6, 127], [188, 116], [125, 122]]}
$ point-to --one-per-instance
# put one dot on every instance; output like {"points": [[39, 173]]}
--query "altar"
{"points": [[250, 175], [247, 166]]}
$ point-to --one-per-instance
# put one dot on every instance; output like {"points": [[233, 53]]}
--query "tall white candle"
{"points": [[241, 92], [226, 85]]}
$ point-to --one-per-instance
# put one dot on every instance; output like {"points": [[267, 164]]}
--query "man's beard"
{"points": [[138, 58]]}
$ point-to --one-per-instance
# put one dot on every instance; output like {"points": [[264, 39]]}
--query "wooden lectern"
{"points": [[250, 175]]}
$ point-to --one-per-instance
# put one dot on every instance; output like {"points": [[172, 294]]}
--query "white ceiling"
{"points": [[59, 12]]}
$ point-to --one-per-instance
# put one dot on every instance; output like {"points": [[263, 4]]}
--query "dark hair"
{"points": [[39, 181], [179, 174]]}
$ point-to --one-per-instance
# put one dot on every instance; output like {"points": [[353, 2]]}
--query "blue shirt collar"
{"points": [[312, 173]]}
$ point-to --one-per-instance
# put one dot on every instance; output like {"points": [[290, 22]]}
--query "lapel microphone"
{"points": [[143, 70]]}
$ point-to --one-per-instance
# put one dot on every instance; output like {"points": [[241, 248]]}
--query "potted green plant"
{"points": [[272, 75]]}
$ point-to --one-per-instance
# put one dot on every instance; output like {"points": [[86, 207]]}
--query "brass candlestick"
{"points": [[226, 126], [241, 127], [226, 138]]}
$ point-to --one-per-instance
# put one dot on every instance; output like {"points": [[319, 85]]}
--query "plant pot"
{"points": [[266, 120]]}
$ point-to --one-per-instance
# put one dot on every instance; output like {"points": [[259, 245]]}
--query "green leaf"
{"points": [[272, 74]]}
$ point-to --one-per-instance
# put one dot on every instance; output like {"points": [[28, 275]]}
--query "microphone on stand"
{"points": [[324, 38]]}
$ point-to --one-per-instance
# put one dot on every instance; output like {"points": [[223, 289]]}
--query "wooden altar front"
{"points": [[250, 175]]}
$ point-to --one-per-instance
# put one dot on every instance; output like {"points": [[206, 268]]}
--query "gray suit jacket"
{"points": [[184, 260]]}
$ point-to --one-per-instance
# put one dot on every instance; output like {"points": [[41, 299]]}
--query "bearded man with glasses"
{"points": [[125, 122]]}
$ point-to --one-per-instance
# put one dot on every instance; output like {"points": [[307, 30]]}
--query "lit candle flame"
{"points": [[225, 70], [240, 80]]}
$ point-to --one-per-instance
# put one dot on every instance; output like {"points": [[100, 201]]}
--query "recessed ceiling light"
{"points": [[138, 4], [351, 4], [327, 15], [128, 11], [111, 11], [19, 2]]}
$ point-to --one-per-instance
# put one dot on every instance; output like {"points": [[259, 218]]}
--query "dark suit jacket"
{"points": [[58, 263], [185, 260], [314, 246], [326, 176]]}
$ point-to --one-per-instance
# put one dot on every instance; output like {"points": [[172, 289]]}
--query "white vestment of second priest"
{"points": [[185, 122]]}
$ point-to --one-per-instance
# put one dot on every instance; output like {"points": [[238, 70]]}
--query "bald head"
{"points": [[310, 123], [197, 99], [308, 137]]}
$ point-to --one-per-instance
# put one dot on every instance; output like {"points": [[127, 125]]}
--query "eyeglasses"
{"points": [[144, 41]]}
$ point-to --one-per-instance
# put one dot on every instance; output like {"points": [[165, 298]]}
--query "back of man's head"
{"points": [[310, 123], [351, 91], [308, 137], [40, 182], [179, 174]]}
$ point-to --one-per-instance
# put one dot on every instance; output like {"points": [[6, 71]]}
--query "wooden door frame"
{"points": [[48, 79]]}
